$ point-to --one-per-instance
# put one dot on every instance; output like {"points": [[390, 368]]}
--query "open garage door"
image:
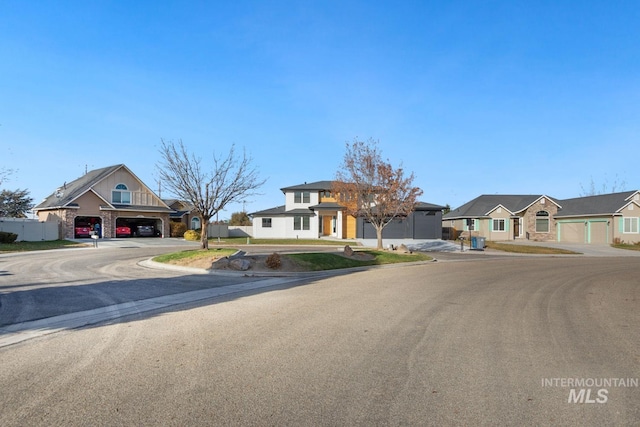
{"points": [[85, 226], [138, 227]]}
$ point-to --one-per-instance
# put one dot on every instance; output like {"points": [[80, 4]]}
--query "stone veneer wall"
{"points": [[530, 221]]}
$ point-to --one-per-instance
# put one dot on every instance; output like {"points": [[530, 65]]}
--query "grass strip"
{"points": [[329, 261], [634, 247], [193, 254], [39, 246], [528, 249]]}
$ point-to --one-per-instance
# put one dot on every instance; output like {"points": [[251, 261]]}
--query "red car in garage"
{"points": [[123, 231], [82, 230]]}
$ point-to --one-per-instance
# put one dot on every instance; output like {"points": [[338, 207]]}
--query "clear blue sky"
{"points": [[474, 97]]}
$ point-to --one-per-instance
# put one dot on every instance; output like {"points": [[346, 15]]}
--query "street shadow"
{"points": [[130, 300]]}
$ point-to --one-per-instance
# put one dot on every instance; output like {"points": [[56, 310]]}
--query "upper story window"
{"points": [[301, 197], [121, 194], [542, 222]]}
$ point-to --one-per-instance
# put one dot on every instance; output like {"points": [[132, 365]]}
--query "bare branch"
{"points": [[372, 188], [231, 179]]}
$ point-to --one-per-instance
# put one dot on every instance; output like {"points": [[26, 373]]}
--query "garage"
{"points": [[85, 226], [425, 222], [598, 232], [138, 227], [572, 232]]}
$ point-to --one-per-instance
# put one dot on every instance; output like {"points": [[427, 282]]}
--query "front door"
{"points": [[516, 228]]}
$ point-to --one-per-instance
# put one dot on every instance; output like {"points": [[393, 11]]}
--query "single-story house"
{"points": [[603, 218], [311, 211], [183, 212], [103, 200]]}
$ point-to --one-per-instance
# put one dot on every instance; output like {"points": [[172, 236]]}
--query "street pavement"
{"points": [[469, 342]]}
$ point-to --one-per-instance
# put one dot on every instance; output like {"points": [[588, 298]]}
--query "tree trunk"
{"points": [[379, 236], [204, 238]]}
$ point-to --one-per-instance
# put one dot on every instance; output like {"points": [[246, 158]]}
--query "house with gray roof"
{"points": [[311, 211], [605, 218], [595, 219], [103, 201]]}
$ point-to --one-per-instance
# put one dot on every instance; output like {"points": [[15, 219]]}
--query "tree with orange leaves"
{"points": [[371, 188]]}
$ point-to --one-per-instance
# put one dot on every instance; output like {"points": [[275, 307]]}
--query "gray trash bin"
{"points": [[477, 243]]}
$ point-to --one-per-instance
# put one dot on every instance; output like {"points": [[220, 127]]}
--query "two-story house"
{"points": [[311, 211], [102, 200]]}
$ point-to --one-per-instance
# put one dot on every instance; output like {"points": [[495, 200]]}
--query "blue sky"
{"points": [[474, 97]]}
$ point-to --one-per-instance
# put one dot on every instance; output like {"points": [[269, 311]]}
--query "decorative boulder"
{"points": [[404, 249], [240, 264], [348, 251]]}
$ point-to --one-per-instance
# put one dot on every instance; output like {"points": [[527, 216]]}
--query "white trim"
{"points": [[631, 222]]}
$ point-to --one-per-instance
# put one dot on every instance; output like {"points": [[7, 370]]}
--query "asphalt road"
{"points": [[446, 343]]}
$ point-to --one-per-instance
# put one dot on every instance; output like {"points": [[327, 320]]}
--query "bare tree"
{"points": [[4, 174], [231, 178], [594, 190], [369, 187]]}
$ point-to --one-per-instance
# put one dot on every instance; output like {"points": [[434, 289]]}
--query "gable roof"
{"points": [[595, 205], [66, 195], [485, 204]]}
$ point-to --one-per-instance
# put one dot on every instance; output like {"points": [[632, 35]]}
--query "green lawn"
{"points": [[328, 261], [38, 246]]}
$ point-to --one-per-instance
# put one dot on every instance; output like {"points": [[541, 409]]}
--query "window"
{"points": [[630, 225], [542, 222], [498, 224], [301, 223], [301, 197], [471, 224], [266, 222], [121, 195], [195, 223]]}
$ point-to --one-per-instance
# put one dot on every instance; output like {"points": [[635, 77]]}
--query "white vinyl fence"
{"points": [[31, 230]]}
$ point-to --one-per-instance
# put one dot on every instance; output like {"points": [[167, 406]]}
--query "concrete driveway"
{"points": [[593, 250]]}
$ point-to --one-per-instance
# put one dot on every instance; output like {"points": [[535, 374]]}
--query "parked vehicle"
{"points": [[82, 230], [145, 230], [123, 231]]}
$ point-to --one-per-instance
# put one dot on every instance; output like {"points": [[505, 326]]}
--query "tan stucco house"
{"points": [[604, 218], [103, 200]]}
